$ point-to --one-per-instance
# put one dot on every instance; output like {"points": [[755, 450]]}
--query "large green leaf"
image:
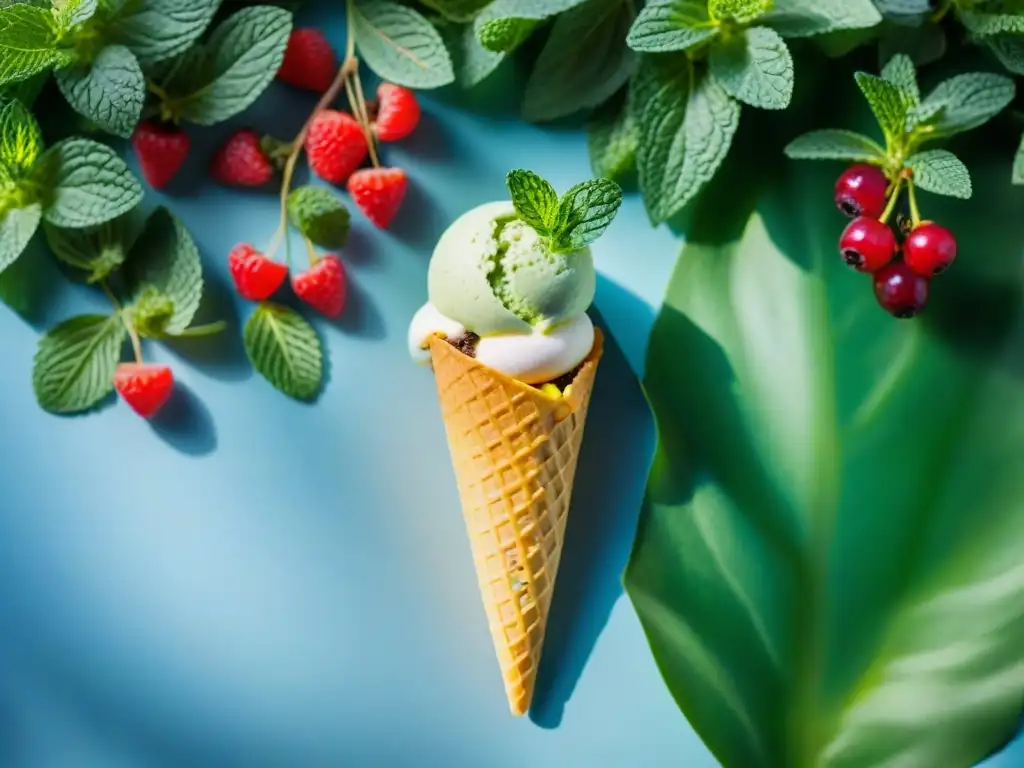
{"points": [[830, 561]]}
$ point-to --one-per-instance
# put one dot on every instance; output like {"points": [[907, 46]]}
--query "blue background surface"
{"points": [[250, 581]]}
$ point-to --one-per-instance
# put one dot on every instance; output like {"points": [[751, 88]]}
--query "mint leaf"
{"points": [[75, 363], [806, 18], [585, 212], [504, 24], [835, 145], [755, 67], [72, 12], [611, 140], [671, 25], [285, 350], [967, 101], [97, 251], [318, 214], [986, 24], [685, 134], [505, 35], [16, 228], [159, 29], [457, 10], [940, 172], [26, 91], [886, 102], [476, 63], [84, 183], [1009, 49], [582, 63], [739, 11], [109, 91], [28, 43], [400, 45], [20, 141], [1018, 164], [534, 199], [152, 313], [165, 258], [899, 71]]}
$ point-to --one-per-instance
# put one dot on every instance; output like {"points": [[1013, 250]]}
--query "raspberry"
{"points": [[930, 249], [867, 244], [336, 146], [146, 387], [900, 291], [240, 162], [861, 191], [323, 286], [256, 277], [309, 61], [161, 149], [378, 193], [398, 112]]}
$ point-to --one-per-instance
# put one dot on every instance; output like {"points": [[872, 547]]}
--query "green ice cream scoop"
{"points": [[493, 273]]}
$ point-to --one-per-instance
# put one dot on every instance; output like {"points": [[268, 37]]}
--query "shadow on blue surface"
{"points": [[186, 424]]}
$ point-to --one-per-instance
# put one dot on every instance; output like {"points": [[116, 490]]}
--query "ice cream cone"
{"points": [[514, 450]]}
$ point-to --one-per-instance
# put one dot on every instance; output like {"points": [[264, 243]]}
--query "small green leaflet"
{"points": [[585, 212], [159, 29], [85, 183], [886, 102], [505, 24], [166, 258], [285, 350], [474, 63], [1018, 164], [738, 11], [806, 18], [611, 140], [534, 199], [1009, 49], [110, 91], [671, 25], [75, 363], [900, 72], [20, 141], [505, 35], [28, 43], [941, 172], [97, 251], [152, 313], [989, 24], [400, 45], [833, 144], [583, 62], [16, 228], [966, 102], [755, 67], [72, 12], [318, 214]]}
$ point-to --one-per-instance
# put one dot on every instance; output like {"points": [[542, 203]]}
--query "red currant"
{"points": [[929, 249], [860, 191], [900, 291], [867, 244]]}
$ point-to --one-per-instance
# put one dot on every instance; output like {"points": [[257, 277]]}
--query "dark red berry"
{"points": [[867, 244], [929, 249], [860, 191], [900, 290]]}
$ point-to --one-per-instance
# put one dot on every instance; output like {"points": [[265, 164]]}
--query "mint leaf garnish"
{"points": [[585, 212], [886, 102], [20, 141], [900, 72], [16, 229], [28, 43], [806, 18], [159, 29], [755, 68], [165, 258], [611, 140], [941, 172], [739, 11], [967, 101], [400, 45], [109, 91], [285, 350], [318, 214], [97, 251], [74, 365], [152, 313], [833, 144], [1009, 49], [671, 25], [534, 199], [582, 63]]}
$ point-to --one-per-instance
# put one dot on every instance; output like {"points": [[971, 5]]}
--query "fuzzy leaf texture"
{"points": [[285, 350], [28, 43], [585, 212], [1009, 49], [152, 313], [836, 144], [899, 71], [671, 25], [755, 68], [318, 214], [534, 199], [475, 63], [505, 24], [96, 251], [941, 172], [16, 229], [20, 141], [400, 45], [611, 140], [72, 12], [987, 24], [886, 102], [160, 29], [109, 91], [74, 365], [965, 102], [807, 18], [739, 11]]}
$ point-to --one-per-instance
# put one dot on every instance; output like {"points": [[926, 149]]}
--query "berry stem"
{"points": [[310, 250], [356, 100], [128, 324], [915, 213], [893, 199]]}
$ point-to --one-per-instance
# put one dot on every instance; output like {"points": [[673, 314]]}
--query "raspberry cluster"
{"points": [[902, 262]]}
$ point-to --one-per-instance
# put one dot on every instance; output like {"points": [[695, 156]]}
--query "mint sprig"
{"points": [[571, 222], [285, 350]]}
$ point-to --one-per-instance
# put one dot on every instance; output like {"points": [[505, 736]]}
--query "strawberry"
{"points": [[336, 145], [323, 286], [378, 193], [256, 277], [161, 150], [146, 387], [240, 162], [309, 61], [398, 112]]}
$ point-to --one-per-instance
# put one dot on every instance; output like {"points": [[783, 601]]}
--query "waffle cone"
{"points": [[514, 450]]}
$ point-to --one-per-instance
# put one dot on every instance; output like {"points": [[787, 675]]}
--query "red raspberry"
{"points": [[323, 286], [240, 162], [867, 244], [309, 61], [336, 146], [256, 277], [398, 113], [146, 387], [378, 193], [930, 249], [161, 149]]}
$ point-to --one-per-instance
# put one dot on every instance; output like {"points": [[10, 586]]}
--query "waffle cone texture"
{"points": [[514, 450]]}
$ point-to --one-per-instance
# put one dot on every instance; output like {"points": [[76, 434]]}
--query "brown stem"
{"points": [[356, 102]]}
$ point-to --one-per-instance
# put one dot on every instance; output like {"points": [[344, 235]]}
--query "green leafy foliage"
{"points": [[21, 142], [109, 91], [806, 18], [611, 140], [836, 144], [755, 68], [74, 365], [156, 30], [400, 45], [96, 251], [16, 229], [319, 215], [28, 43], [967, 101], [941, 172], [1018, 164], [505, 24], [671, 25], [739, 11], [886, 102], [534, 199], [285, 350]]}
